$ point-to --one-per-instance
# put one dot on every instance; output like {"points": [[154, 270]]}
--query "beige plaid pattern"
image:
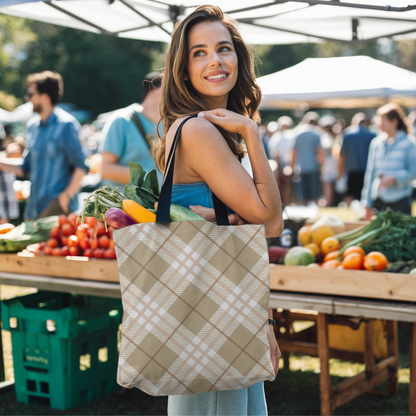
{"points": [[195, 298]]}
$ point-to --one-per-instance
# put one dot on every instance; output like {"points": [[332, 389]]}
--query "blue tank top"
{"points": [[186, 194]]}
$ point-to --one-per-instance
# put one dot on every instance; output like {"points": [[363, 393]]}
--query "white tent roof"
{"points": [[273, 22], [346, 82]]}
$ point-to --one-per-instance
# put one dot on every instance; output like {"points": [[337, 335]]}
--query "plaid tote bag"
{"points": [[195, 297]]}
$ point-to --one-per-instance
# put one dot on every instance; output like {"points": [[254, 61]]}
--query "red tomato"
{"points": [[62, 219], [83, 243], [73, 241], [110, 253], [74, 251], [100, 228], [88, 252], [42, 245], [98, 253], [82, 231], [52, 242], [48, 251], [93, 243], [56, 251], [92, 232], [65, 251], [72, 219], [55, 232], [64, 240], [111, 243], [92, 221], [110, 231], [104, 241], [67, 229]]}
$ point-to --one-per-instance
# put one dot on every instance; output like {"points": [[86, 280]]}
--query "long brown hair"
{"points": [[180, 99], [394, 112]]}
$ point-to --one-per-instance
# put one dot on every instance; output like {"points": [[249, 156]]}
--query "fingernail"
{"points": [[201, 115]]}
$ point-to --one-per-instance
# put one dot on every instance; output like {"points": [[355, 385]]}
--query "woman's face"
{"points": [[212, 65], [388, 126]]}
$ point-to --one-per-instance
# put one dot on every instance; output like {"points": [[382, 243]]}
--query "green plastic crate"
{"points": [[60, 314], [63, 372]]}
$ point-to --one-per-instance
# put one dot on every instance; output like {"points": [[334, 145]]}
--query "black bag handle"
{"points": [[163, 208]]}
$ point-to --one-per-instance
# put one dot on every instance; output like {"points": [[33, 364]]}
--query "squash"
{"points": [[138, 212]]}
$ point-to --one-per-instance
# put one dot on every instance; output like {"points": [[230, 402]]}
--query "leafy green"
{"points": [[137, 174], [391, 233]]}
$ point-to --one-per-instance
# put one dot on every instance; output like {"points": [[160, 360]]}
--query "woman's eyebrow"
{"points": [[204, 46]]}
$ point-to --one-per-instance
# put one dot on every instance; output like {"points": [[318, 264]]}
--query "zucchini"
{"points": [[180, 213]]}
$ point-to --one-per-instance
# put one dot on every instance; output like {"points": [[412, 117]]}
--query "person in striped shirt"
{"points": [[391, 166]]}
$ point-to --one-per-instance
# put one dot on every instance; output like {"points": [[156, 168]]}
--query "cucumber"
{"points": [[180, 213]]}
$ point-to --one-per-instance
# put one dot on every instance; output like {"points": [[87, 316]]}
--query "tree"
{"points": [[101, 73]]}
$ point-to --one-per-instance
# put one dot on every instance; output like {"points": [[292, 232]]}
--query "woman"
{"points": [[209, 73], [391, 166]]}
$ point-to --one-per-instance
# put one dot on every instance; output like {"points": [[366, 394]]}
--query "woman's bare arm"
{"points": [[206, 152]]}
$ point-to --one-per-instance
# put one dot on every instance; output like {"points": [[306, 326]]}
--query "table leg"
{"points": [[324, 378], [393, 351], [369, 349], [412, 386]]}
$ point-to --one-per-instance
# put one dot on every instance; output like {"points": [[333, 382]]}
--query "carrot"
{"points": [[136, 211]]}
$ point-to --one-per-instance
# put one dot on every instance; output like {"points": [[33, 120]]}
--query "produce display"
{"points": [[70, 238], [388, 244]]}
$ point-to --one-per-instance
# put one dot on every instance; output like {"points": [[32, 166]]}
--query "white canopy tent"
{"points": [[268, 22], [346, 82]]}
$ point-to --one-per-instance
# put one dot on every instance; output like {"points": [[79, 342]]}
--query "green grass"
{"points": [[294, 392]]}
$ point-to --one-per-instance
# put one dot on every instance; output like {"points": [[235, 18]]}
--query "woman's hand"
{"points": [[274, 350], [209, 215], [230, 121]]}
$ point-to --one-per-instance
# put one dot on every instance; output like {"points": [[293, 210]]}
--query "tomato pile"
{"points": [[72, 239]]}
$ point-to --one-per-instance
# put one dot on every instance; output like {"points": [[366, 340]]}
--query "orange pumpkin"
{"points": [[353, 249], [375, 261], [331, 264], [331, 256], [353, 261]]}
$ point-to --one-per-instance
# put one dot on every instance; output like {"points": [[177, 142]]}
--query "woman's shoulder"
{"points": [[195, 129]]}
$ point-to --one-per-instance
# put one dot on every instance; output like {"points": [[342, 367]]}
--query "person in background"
{"points": [[9, 207], [354, 155], [329, 169], [129, 135], [391, 166], [280, 149], [307, 159], [53, 158]]}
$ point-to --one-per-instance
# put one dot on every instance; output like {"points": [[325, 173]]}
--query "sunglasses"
{"points": [[29, 94]]}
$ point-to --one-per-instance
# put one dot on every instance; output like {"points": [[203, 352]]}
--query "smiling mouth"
{"points": [[219, 76]]}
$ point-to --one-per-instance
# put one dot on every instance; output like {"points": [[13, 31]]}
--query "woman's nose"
{"points": [[215, 60]]}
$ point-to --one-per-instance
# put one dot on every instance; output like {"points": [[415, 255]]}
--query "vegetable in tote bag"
{"points": [[195, 298]]}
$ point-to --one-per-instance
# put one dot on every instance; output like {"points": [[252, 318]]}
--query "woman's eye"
{"points": [[198, 53], [224, 49]]}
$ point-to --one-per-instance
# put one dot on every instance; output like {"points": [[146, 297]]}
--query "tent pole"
{"points": [[103, 31]]}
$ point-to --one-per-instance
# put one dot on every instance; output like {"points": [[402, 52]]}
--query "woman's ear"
{"points": [[185, 77]]}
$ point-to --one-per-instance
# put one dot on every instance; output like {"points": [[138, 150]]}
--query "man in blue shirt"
{"points": [[354, 155], [307, 158], [129, 134], [53, 157]]}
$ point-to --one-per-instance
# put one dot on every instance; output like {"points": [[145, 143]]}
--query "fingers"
{"points": [[233, 219]]}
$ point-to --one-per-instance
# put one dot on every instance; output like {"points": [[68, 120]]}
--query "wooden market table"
{"points": [[296, 290]]}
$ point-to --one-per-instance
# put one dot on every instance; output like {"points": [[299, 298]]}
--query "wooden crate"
{"points": [[69, 267], [357, 283]]}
